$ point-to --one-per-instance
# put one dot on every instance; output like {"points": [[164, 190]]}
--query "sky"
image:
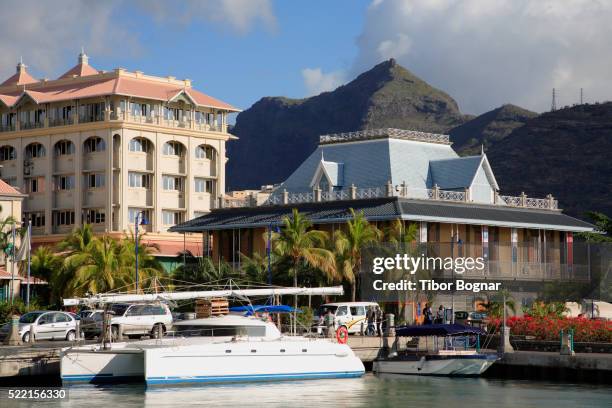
{"points": [[484, 53]]}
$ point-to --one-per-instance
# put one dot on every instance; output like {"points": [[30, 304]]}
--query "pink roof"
{"points": [[7, 189], [111, 85], [81, 70], [20, 78]]}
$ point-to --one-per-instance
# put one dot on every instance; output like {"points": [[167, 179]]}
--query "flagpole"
{"points": [[13, 265], [29, 249]]}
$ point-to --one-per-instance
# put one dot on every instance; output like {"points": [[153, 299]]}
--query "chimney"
{"points": [[83, 58]]}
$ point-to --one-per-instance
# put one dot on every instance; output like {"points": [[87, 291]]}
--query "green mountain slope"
{"points": [[567, 153], [488, 128]]}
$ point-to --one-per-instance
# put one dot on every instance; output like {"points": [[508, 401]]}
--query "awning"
{"points": [[252, 309], [384, 209], [438, 330]]}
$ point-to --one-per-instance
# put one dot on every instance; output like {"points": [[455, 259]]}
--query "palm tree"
{"points": [[303, 246], [149, 267], [348, 245], [45, 265], [101, 269], [202, 270], [6, 232]]}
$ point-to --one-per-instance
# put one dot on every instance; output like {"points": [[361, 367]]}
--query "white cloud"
{"points": [[488, 52], [43, 32], [316, 81], [238, 15], [46, 33]]}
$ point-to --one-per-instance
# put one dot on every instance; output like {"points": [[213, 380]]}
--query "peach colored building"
{"points": [[99, 147]]}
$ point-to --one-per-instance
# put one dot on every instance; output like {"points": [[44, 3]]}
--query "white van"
{"points": [[351, 315]]}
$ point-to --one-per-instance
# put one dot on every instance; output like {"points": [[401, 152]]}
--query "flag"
{"points": [[24, 249]]}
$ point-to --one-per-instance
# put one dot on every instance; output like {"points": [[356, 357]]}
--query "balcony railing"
{"points": [[61, 121], [116, 115], [283, 197]]}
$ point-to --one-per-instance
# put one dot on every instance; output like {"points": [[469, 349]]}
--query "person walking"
{"points": [[440, 315], [379, 320], [427, 315], [371, 317]]}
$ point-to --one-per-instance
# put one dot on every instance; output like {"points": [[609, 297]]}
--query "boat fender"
{"points": [[342, 335]]}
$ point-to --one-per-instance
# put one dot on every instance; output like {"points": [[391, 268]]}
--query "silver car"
{"points": [[49, 325]]}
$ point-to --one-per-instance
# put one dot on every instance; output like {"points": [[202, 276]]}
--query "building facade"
{"points": [[414, 177], [100, 147]]}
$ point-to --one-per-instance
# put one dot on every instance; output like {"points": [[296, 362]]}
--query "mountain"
{"points": [[488, 128], [566, 152], [276, 134]]}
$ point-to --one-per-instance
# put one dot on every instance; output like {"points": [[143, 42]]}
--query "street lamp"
{"points": [[140, 216]]}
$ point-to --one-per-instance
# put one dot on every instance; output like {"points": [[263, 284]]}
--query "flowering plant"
{"points": [[549, 327]]}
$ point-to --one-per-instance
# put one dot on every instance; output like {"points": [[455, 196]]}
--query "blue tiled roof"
{"points": [[453, 173], [372, 163]]}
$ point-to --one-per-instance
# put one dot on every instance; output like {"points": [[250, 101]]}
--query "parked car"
{"points": [[48, 325], [134, 320], [351, 315], [91, 325]]}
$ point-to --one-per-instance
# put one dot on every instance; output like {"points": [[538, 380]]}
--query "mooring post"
{"points": [[32, 338], [13, 338]]}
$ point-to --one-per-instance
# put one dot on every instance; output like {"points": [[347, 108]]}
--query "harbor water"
{"points": [[368, 391]]}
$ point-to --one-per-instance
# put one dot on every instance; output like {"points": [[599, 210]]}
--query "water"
{"points": [[369, 391]]}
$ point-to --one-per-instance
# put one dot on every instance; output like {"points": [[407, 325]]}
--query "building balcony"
{"points": [[115, 116], [53, 122]]}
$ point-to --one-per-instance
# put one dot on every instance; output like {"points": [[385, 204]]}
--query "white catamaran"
{"points": [[226, 348]]}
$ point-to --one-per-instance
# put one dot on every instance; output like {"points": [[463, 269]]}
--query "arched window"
{"points": [[7, 153], [173, 148], [64, 147], [34, 150], [94, 144], [139, 144], [205, 152]]}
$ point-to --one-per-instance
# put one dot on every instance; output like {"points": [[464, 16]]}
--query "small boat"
{"points": [[450, 350]]}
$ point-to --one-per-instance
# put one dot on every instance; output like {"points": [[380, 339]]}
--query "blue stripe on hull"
{"points": [[99, 379], [253, 377]]}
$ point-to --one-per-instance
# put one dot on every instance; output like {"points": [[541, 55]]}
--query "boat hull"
{"points": [[101, 366], [251, 361], [473, 365]]}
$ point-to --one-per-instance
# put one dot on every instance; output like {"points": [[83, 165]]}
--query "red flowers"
{"points": [[548, 328]]}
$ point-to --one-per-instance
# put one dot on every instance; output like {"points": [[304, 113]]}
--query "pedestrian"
{"points": [[440, 315], [379, 320], [427, 315], [371, 317]]}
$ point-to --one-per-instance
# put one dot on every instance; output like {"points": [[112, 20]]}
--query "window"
{"points": [[205, 152], [342, 311], [173, 114], [61, 318], [35, 185], [204, 185], [63, 218], [64, 183], [173, 149], [142, 180], [64, 147], [95, 180], [7, 153], [94, 216], [139, 144], [133, 212], [36, 219], [94, 144], [34, 150], [172, 183], [172, 217]]}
